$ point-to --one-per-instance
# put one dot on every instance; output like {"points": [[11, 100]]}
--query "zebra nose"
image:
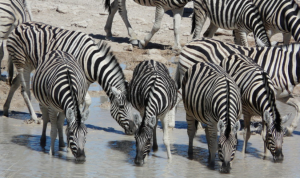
{"points": [[138, 162], [80, 155], [225, 167], [278, 157]]}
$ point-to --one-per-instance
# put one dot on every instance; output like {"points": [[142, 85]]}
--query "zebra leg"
{"points": [[109, 21], [191, 130], [211, 30], [27, 81], [53, 132], [246, 132], [14, 86], [87, 102], [286, 38], [60, 124], [211, 136], [123, 13], [166, 139], [177, 15], [45, 116], [159, 13], [288, 131], [154, 145], [243, 38], [198, 19], [27, 7], [26, 98]]}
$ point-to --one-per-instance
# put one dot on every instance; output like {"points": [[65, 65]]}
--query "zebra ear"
{"points": [[115, 91], [221, 126], [152, 122], [85, 115], [267, 118], [285, 118], [137, 120], [236, 127], [70, 115]]}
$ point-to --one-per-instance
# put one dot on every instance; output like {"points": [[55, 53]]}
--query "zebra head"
{"points": [[121, 110], [76, 132], [227, 144], [143, 137], [272, 133]]}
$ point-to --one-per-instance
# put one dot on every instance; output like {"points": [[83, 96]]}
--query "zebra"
{"points": [[153, 93], [280, 16], [281, 65], [31, 40], [240, 16], [258, 98], [60, 86], [12, 13], [162, 6], [210, 96]]}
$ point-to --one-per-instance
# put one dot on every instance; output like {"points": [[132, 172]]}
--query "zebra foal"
{"points": [[162, 6], [210, 96], [258, 98], [240, 16], [153, 93], [12, 13], [31, 40], [279, 62], [60, 86]]}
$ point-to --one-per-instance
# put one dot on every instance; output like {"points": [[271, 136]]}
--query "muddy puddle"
{"points": [[110, 153]]}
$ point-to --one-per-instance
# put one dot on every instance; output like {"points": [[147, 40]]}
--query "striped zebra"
{"points": [[12, 13], [60, 86], [162, 6], [210, 96], [240, 16], [258, 98], [153, 93], [280, 16], [31, 40], [281, 65]]}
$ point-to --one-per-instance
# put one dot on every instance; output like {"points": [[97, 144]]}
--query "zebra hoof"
{"points": [[141, 44], [134, 42], [5, 112], [288, 131], [155, 148], [109, 38]]}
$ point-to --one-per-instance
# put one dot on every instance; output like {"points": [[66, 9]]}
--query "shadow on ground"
{"points": [[19, 115]]}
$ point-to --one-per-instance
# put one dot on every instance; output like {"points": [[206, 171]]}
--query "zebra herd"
{"points": [[221, 83]]}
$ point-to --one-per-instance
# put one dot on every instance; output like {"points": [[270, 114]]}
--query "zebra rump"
{"points": [[210, 96], [60, 86], [153, 93]]}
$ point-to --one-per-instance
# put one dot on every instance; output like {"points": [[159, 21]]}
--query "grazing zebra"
{"points": [[280, 64], [258, 98], [280, 16], [31, 40], [240, 16], [153, 93], [12, 13], [210, 96], [60, 86], [161, 7]]}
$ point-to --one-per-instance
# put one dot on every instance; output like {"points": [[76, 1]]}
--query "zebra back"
{"points": [[281, 65], [152, 90], [210, 94]]}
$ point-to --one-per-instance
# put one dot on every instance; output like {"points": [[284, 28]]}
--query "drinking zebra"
{"points": [[240, 16], [31, 40], [280, 16], [153, 93], [60, 86], [161, 7], [12, 13], [281, 65], [258, 98], [210, 96]]}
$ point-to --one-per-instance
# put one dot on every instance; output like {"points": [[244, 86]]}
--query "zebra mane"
{"points": [[228, 128], [75, 101], [271, 100]]}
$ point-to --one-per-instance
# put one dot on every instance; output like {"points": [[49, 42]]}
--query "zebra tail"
{"points": [[107, 6], [75, 101], [177, 77], [193, 23]]}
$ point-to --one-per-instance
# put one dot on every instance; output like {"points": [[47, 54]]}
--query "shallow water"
{"points": [[110, 153]]}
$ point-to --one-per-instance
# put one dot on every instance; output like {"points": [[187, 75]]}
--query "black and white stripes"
{"points": [[240, 16], [30, 41], [153, 93], [210, 96], [60, 86]]}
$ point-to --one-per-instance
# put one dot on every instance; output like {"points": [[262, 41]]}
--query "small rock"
{"points": [[129, 47], [153, 51], [103, 13], [62, 9], [186, 34], [82, 24]]}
